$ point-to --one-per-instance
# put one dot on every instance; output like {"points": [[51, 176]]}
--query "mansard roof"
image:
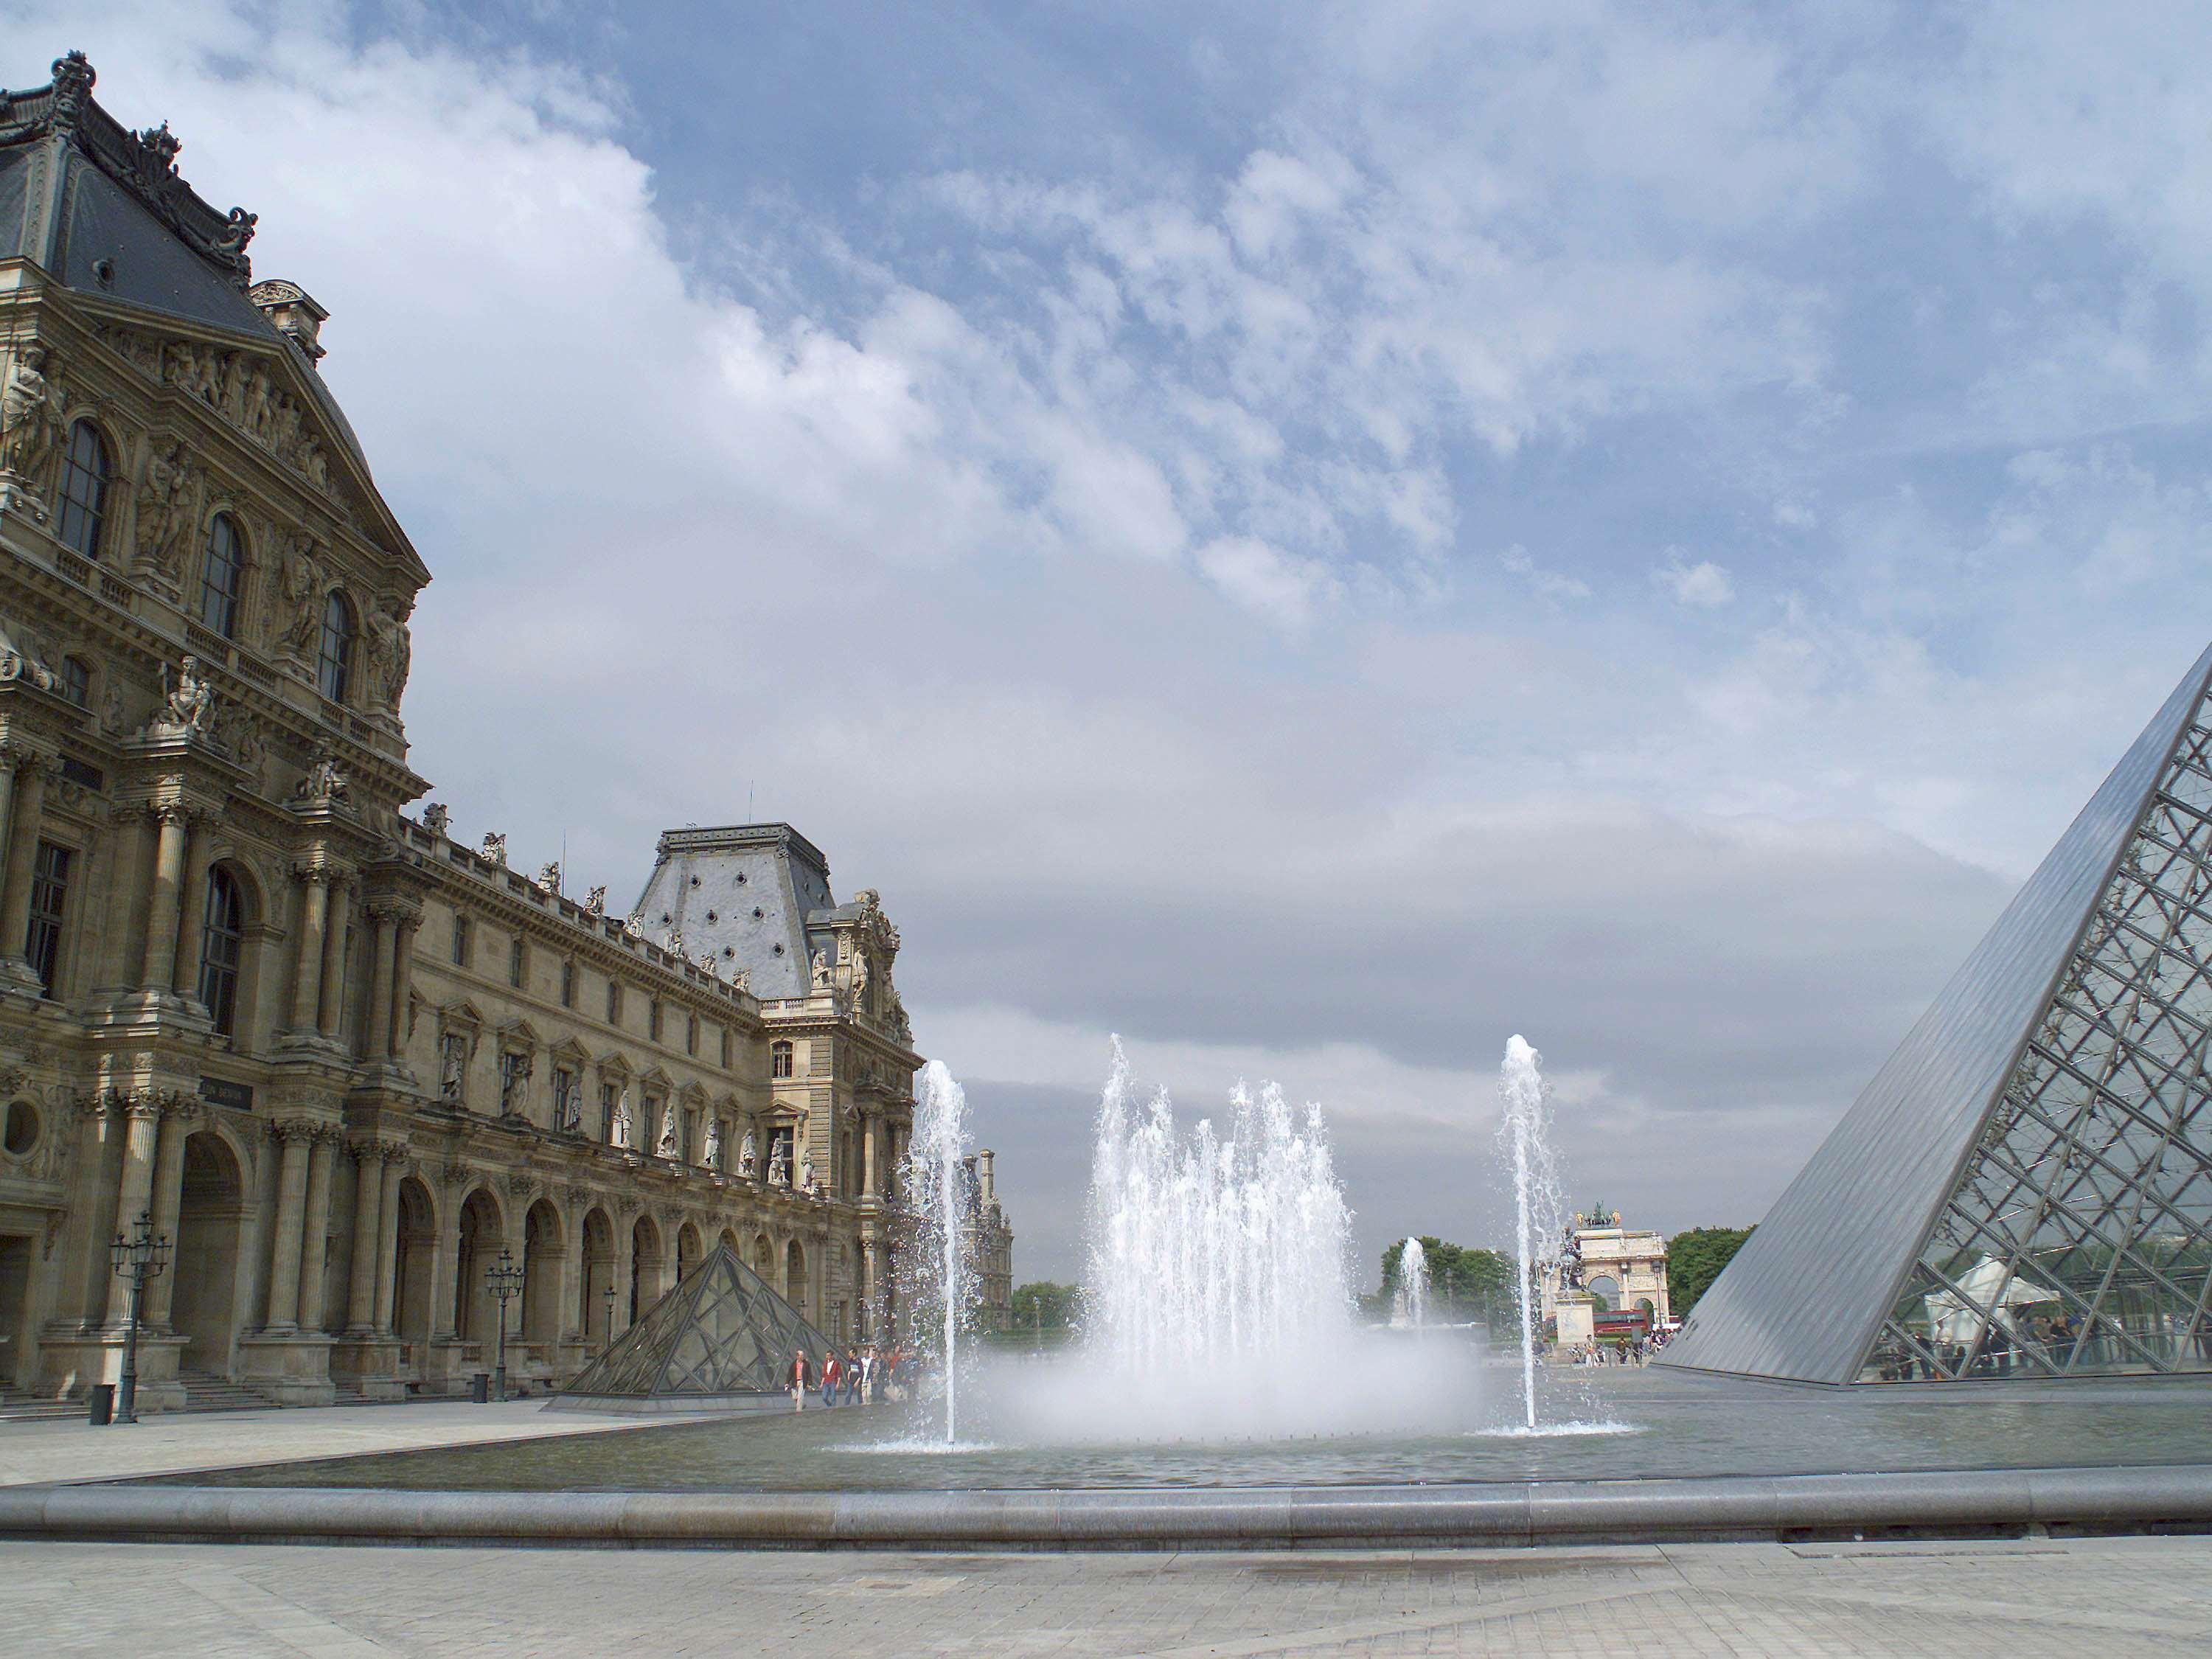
{"points": [[103, 211]]}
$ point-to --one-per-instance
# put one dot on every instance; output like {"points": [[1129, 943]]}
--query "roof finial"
{"points": [[73, 79]]}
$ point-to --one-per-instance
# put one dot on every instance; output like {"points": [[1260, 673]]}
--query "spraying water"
{"points": [[1207, 1250], [936, 1182], [1524, 1137], [1413, 1283]]}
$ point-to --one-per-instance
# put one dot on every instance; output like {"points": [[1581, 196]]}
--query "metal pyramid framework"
{"points": [[2025, 1189], [722, 1337]]}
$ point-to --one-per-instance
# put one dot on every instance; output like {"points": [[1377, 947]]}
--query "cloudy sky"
{"points": [[1316, 537]]}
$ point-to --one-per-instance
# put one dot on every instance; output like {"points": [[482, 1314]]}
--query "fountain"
{"points": [[1524, 1137], [936, 1180], [1413, 1283]]}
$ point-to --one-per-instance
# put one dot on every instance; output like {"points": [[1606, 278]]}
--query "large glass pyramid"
{"points": [[720, 1335], [2025, 1189]]}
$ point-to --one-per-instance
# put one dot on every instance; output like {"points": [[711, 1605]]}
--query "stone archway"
{"points": [[764, 1258], [689, 1250], [211, 1222], [644, 1266], [415, 1261], [542, 1244], [794, 1277], [593, 1311], [475, 1311]]}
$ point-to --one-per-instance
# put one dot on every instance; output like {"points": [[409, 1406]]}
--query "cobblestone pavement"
{"points": [[2147, 1595], [172, 1442]]}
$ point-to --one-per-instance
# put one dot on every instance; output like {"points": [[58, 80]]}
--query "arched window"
{"points": [[221, 576], [85, 472], [334, 665], [780, 1059], [222, 945]]}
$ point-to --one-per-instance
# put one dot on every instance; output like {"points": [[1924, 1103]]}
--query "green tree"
{"points": [[1694, 1260], [1042, 1305], [1464, 1283]]}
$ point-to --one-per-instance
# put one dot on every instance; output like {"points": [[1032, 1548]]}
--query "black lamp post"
{"points": [[142, 1255], [607, 1330], [504, 1278]]}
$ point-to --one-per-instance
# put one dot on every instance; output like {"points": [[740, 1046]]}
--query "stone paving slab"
{"points": [[178, 1443], [2135, 1596]]}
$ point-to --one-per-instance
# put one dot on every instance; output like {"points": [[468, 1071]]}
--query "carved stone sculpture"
{"points": [[625, 1124], [633, 925], [435, 817], [494, 849], [299, 608], [164, 511], [21, 659], [779, 1172], [595, 902], [748, 1157], [821, 970], [806, 1174], [453, 1060], [673, 942], [668, 1146], [26, 418], [390, 652], [323, 782], [712, 1156], [549, 877], [190, 699]]}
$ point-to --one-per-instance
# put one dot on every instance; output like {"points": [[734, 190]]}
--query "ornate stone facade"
{"points": [[343, 1059]]}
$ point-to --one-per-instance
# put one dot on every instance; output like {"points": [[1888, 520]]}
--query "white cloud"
{"points": [[1703, 586], [1546, 584]]}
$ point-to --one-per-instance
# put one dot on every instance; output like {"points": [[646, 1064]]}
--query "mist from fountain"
{"points": [[940, 1280], [1539, 1207]]}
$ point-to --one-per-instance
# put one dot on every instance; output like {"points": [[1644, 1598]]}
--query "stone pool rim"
{"points": [[1972, 1503]]}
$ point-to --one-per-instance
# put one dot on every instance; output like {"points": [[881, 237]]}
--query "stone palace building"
{"points": [[343, 1060]]}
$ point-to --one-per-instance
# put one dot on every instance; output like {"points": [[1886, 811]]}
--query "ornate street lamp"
{"points": [[607, 1330], [142, 1255], [504, 1279]]}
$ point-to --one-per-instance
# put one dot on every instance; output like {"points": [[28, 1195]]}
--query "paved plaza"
{"points": [[2130, 1595]]}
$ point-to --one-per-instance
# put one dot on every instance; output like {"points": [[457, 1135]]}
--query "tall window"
{"points": [[223, 942], [691, 1035], [653, 1025], [85, 472], [568, 985], [76, 681], [42, 943], [780, 1059], [614, 1003], [725, 1050], [334, 662], [460, 941], [567, 1101], [514, 961], [610, 1096], [691, 1130], [221, 577]]}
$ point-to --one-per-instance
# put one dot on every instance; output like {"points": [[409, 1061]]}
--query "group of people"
{"points": [[870, 1375], [1634, 1351]]}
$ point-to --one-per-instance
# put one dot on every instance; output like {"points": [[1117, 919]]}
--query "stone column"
{"points": [[315, 1232], [158, 966], [367, 1205], [191, 918], [293, 1134], [134, 1191], [403, 985], [387, 1240], [30, 800], [385, 924], [445, 1271], [868, 1122], [332, 1005], [169, 1203], [132, 835], [307, 961]]}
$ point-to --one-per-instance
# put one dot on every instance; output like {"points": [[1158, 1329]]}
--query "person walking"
{"points": [[828, 1377], [801, 1375], [851, 1375]]}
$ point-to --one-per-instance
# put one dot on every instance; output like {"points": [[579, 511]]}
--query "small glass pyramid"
{"points": [[721, 1332]]}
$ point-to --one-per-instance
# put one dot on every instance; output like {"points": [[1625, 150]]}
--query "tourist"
{"points": [[801, 1375], [852, 1376], [828, 1377]]}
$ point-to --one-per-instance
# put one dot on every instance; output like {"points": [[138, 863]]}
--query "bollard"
{"points": [[101, 1402], [480, 1389]]}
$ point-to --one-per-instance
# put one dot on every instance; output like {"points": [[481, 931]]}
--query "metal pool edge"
{"points": [[1984, 1502]]}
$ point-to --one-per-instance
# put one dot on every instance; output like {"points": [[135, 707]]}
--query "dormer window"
{"points": [[221, 576], [334, 660], [86, 469]]}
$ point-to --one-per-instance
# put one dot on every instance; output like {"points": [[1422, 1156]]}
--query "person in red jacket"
{"points": [[828, 1377], [801, 1375]]}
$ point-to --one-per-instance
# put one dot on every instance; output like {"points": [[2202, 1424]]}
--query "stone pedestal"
{"points": [[370, 1365], [292, 1368], [70, 1363], [1573, 1314]]}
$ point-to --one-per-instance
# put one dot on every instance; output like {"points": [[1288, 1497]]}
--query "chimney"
{"points": [[984, 1178], [292, 313]]}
